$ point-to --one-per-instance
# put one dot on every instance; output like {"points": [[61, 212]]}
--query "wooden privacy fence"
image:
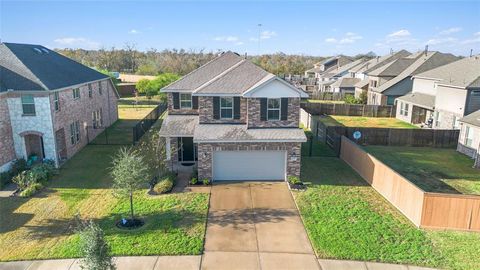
{"points": [[349, 109], [424, 209]]}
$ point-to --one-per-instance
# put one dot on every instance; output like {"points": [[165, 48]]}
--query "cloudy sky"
{"points": [[313, 28]]}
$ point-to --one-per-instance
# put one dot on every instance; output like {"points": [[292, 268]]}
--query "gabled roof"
{"points": [[362, 83], [34, 67], [413, 65], [379, 61], [463, 73], [228, 74], [337, 71], [472, 119], [346, 82]]}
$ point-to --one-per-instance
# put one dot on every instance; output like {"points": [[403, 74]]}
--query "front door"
{"points": [[186, 151]]}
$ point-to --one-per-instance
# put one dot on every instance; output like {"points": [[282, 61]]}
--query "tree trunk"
{"points": [[131, 205]]}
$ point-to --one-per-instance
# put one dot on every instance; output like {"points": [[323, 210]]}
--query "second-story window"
{"points": [[89, 90], [185, 101], [28, 105], [226, 107], [76, 93], [273, 109], [56, 101]]}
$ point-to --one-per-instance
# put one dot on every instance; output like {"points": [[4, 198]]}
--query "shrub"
{"points": [[18, 166], [5, 178], [206, 181], [193, 181], [23, 180], [94, 248], [163, 186], [31, 190], [294, 180]]}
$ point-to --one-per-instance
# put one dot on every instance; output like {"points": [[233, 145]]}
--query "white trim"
{"points": [[226, 108], [168, 150], [250, 141], [256, 87], [180, 101], [219, 76], [274, 109], [215, 95]]}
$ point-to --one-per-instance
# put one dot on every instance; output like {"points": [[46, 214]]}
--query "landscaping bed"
{"points": [[347, 219], [432, 169]]}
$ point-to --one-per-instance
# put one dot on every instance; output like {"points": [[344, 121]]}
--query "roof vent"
{"points": [[45, 51], [37, 50]]}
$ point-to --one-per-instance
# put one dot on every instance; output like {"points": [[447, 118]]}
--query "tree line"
{"points": [[178, 61]]}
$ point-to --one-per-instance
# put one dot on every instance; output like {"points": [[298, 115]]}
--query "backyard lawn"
{"points": [[347, 219], [43, 226], [432, 169], [359, 121]]}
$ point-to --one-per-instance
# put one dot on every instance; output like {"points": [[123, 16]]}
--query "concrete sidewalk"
{"points": [[193, 263]]}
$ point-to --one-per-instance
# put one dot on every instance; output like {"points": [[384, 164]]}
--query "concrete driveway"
{"points": [[255, 225]]}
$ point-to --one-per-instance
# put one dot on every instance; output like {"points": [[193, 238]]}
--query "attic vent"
{"points": [[45, 51], [37, 50]]}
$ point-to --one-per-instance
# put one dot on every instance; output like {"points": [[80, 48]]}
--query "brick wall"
{"points": [[7, 151], [205, 153], [171, 110], [205, 105], [81, 109], [293, 119]]}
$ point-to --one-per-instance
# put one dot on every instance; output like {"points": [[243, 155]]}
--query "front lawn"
{"points": [[347, 219], [432, 169], [368, 122]]}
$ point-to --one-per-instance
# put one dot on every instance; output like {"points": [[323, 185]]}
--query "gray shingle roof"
{"points": [[236, 80], [240, 133], [362, 83], [377, 62], [205, 73], [472, 119], [337, 71], [346, 82], [34, 67], [463, 73], [419, 99], [179, 125]]}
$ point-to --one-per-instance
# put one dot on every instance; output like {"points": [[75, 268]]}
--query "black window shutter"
{"points": [[263, 109], [194, 102], [216, 107], [284, 109], [176, 101], [236, 107]]}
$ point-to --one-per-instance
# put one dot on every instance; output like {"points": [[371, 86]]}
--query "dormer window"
{"points": [[273, 109], [185, 101], [226, 107]]}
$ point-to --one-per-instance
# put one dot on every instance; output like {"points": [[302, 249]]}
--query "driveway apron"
{"points": [[255, 225]]}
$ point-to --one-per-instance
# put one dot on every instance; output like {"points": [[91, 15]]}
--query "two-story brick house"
{"points": [[50, 105], [235, 120]]}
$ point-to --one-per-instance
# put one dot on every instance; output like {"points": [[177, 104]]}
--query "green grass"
{"points": [[359, 121], [43, 227], [325, 101], [347, 219], [432, 169], [318, 148]]}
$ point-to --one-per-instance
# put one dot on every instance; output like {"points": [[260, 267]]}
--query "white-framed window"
{"points": [[438, 119], [75, 132], [97, 121], [406, 109], [28, 105], [226, 107], [90, 94], [456, 122], [273, 109], [56, 101], [100, 90], [76, 93], [185, 101], [401, 108], [468, 136]]}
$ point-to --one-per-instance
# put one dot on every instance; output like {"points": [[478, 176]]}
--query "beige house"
{"points": [[394, 79], [443, 94], [234, 120], [469, 139]]}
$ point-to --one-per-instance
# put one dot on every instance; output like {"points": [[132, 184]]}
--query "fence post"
{"points": [[311, 146]]}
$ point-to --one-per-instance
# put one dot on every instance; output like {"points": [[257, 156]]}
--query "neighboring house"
{"points": [[344, 85], [236, 120], [327, 78], [393, 80], [444, 94], [332, 62], [50, 105], [361, 71], [469, 139]]}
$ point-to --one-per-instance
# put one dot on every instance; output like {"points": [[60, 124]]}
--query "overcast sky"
{"points": [[312, 28]]}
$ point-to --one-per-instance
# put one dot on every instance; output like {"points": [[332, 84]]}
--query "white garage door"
{"points": [[249, 165]]}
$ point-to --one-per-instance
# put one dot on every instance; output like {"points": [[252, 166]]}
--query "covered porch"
{"points": [[34, 146]]}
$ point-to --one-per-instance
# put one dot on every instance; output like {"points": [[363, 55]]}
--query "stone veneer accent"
{"points": [[447, 119], [293, 118], [205, 154], [81, 109], [205, 105], [6, 139], [171, 110]]}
